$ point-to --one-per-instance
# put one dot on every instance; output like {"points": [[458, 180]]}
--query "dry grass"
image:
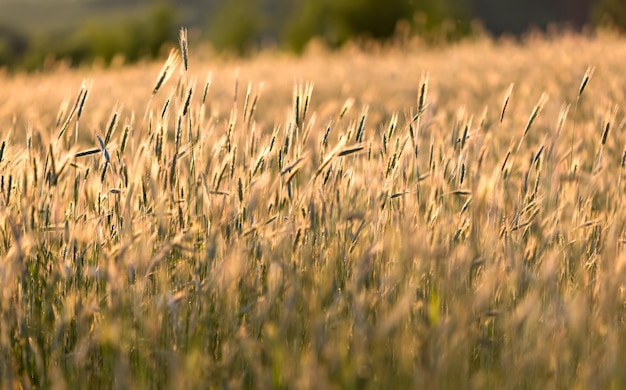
{"points": [[407, 219]]}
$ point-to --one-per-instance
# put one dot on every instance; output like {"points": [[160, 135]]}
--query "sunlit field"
{"points": [[401, 217]]}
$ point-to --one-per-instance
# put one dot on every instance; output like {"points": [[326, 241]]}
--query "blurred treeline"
{"points": [[242, 26]]}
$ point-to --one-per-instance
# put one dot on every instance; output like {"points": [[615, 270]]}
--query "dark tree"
{"points": [[611, 12]]}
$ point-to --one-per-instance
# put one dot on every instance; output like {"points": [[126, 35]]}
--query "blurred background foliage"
{"points": [[36, 33]]}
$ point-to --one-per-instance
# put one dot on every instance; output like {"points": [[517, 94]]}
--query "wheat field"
{"points": [[397, 217]]}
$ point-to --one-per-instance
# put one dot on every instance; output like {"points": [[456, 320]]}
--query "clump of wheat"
{"points": [[432, 236]]}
